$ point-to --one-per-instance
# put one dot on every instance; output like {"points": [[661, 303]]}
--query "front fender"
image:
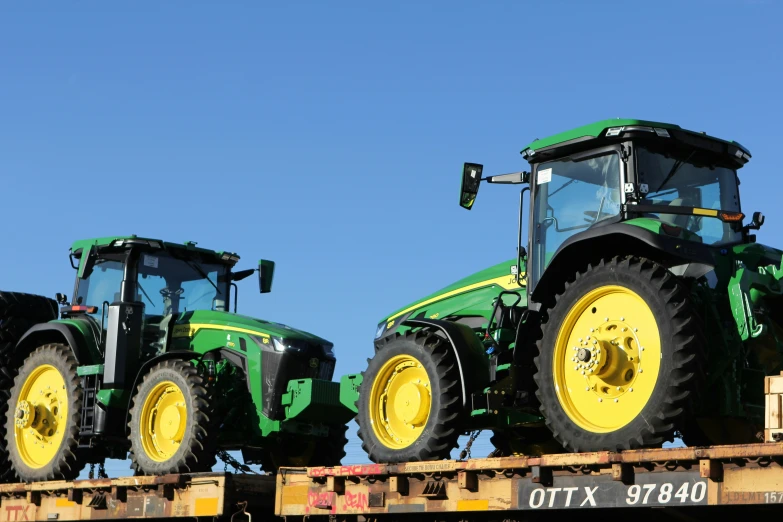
{"points": [[472, 363]]}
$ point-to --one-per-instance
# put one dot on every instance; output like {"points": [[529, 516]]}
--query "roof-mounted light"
{"points": [[663, 133], [614, 131], [637, 128]]}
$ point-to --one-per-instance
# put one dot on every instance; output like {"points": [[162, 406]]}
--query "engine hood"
{"points": [[228, 321]]}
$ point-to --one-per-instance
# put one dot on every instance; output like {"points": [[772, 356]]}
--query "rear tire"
{"points": [[18, 312], [610, 323], [42, 429], [409, 404], [171, 421]]}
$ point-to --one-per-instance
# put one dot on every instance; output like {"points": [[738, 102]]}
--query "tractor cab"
{"points": [[672, 186], [150, 283]]}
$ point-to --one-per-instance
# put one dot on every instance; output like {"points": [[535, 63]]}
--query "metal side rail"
{"points": [[211, 495], [675, 479]]}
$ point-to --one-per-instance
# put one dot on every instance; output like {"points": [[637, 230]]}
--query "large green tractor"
{"points": [[640, 308], [148, 359]]}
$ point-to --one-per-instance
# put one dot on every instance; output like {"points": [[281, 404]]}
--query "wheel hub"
{"points": [[40, 411], [24, 418], [607, 358], [164, 417], [411, 404], [400, 401]]}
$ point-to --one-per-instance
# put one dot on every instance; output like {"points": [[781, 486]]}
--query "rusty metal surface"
{"points": [[169, 496], [666, 477]]}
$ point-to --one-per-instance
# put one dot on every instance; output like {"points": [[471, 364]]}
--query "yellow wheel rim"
{"points": [[40, 416], [163, 422], [607, 359], [400, 401]]}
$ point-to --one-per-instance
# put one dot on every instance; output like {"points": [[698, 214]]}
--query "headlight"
{"points": [[329, 350], [381, 328], [279, 346]]}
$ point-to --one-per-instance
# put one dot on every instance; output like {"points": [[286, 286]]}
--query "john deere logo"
{"points": [[313, 363]]}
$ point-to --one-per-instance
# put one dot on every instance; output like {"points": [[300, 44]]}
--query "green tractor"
{"points": [[640, 309], [148, 359]]}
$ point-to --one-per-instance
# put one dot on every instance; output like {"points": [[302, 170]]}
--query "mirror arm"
{"points": [[521, 250]]}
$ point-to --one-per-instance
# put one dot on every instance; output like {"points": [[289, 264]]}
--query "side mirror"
{"points": [[756, 222], [471, 177], [266, 271]]}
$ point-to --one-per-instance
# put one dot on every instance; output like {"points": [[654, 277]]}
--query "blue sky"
{"points": [[329, 137]]}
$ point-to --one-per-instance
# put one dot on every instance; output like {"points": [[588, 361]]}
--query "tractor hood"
{"points": [[216, 320], [500, 276]]}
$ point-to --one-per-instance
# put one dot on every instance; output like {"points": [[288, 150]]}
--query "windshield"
{"points": [[681, 181], [171, 285], [571, 196]]}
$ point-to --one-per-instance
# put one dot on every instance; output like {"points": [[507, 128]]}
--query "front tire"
{"points": [[621, 359], [409, 401], [42, 423], [172, 423]]}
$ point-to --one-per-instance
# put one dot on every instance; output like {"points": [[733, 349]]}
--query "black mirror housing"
{"points": [[756, 222], [471, 178], [266, 271]]}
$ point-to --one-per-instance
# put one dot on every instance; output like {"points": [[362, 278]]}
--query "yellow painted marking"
{"points": [[64, 503], [508, 282], [705, 212], [472, 505], [295, 495], [206, 507], [189, 330]]}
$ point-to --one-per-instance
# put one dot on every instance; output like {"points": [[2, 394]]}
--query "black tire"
{"points": [[443, 426], [681, 373], [65, 463], [18, 312], [298, 451], [197, 448]]}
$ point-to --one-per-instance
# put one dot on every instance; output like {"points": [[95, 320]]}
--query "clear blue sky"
{"points": [[329, 136]]}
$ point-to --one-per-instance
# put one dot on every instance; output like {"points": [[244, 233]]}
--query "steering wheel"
{"points": [[168, 292]]}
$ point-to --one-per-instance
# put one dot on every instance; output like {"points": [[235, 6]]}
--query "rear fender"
{"points": [[472, 362]]}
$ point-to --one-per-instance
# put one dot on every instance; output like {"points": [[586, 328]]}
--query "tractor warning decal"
{"points": [[544, 176]]}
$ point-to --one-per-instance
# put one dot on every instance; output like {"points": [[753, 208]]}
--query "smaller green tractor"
{"points": [[147, 358], [639, 309]]}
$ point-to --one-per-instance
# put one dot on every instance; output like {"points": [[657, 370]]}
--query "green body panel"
{"points": [[349, 391], [113, 397], [593, 130], [493, 279], [83, 245], [95, 369], [319, 401]]}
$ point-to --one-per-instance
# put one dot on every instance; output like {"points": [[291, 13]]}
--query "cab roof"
{"points": [[125, 241], [619, 126]]}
